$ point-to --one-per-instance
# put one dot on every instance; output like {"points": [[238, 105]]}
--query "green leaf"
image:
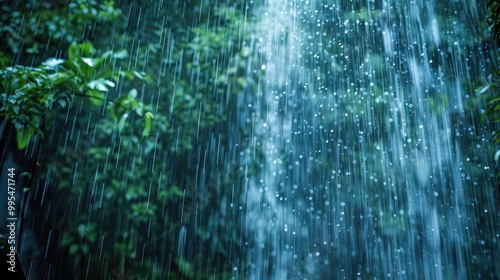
{"points": [[73, 249], [495, 99], [108, 83], [125, 74], [138, 75], [53, 62], [147, 124], [118, 108], [25, 174], [61, 102], [85, 49], [72, 51], [82, 230], [132, 94], [139, 109], [120, 54], [15, 108], [100, 85], [91, 62], [142, 76], [95, 97], [71, 65], [66, 239], [84, 69], [121, 123], [23, 136], [483, 89]]}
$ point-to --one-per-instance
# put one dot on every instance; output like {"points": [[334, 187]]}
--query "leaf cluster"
{"points": [[35, 25], [494, 18], [493, 100], [29, 93]]}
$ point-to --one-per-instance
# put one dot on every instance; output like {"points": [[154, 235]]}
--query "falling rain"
{"points": [[264, 139]]}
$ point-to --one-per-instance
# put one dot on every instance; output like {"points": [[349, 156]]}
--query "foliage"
{"points": [[491, 93], [493, 109], [493, 86], [37, 27], [29, 93], [494, 17], [123, 191]]}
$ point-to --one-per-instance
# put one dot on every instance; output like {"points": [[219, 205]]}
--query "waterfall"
{"points": [[362, 124], [267, 215]]}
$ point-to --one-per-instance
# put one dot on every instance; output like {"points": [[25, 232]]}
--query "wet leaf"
{"points": [[147, 124], [61, 102], [73, 249], [122, 122], [25, 174], [91, 62], [120, 54], [23, 136], [95, 97], [132, 94], [53, 62], [72, 51], [483, 89]]}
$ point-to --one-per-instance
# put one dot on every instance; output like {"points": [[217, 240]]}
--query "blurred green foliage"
{"points": [[493, 85], [494, 18], [493, 99]]}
